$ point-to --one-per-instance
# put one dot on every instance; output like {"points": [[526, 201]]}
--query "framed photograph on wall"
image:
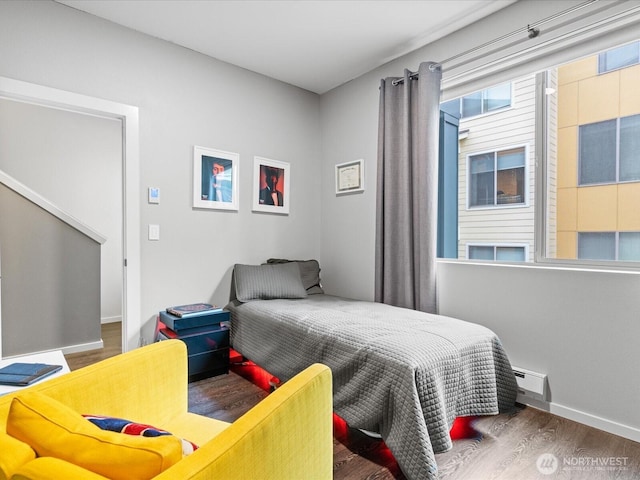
{"points": [[215, 179], [270, 186], [350, 177]]}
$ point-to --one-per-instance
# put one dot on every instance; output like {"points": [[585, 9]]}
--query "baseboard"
{"points": [[588, 419], [117, 318], [83, 347]]}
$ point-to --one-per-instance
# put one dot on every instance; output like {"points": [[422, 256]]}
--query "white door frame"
{"points": [[128, 115]]}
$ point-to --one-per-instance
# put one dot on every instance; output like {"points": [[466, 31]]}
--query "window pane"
{"points": [[629, 247], [497, 97], [598, 152], [482, 180], [510, 176], [452, 107], [472, 104], [630, 148], [511, 158], [482, 189], [597, 246], [619, 57], [510, 186], [510, 254], [480, 253], [482, 163]]}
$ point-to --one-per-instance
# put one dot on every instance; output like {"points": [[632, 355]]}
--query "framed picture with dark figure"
{"points": [[270, 186], [215, 179]]}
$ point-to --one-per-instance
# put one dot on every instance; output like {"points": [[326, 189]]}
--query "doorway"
{"points": [[127, 118]]}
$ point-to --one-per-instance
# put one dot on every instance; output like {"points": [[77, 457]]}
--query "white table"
{"points": [[54, 357]]}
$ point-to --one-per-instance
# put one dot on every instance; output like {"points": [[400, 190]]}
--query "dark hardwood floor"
{"points": [[523, 445]]}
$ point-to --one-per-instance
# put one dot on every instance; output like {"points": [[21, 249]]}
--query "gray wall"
{"points": [[184, 99], [579, 327], [50, 280]]}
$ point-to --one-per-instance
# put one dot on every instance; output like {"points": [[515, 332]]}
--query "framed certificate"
{"points": [[350, 177]]}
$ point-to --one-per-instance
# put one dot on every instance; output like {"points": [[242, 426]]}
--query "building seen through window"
{"points": [[592, 151], [597, 194], [477, 103], [620, 57]]}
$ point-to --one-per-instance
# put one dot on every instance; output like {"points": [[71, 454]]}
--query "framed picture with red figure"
{"points": [[270, 186]]}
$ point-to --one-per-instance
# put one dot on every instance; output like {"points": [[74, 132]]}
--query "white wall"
{"points": [[184, 99], [581, 328]]}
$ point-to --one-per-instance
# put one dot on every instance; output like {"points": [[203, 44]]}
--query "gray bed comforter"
{"points": [[404, 374]]}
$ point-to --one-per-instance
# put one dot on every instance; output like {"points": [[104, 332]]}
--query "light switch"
{"points": [[154, 232]]}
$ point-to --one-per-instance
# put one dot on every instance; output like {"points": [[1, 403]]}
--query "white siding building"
{"points": [[496, 165]]}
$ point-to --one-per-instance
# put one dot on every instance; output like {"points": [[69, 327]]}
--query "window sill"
{"points": [[549, 265], [500, 206]]}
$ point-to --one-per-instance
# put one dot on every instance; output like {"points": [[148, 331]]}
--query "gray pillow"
{"points": [[309, 273], [266, 282]]}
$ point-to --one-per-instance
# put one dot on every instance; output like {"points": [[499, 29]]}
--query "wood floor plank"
{"points": [[227, 398], [501, 447]]}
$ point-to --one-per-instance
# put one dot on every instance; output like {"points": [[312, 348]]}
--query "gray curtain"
{"points": [[407, 201]]}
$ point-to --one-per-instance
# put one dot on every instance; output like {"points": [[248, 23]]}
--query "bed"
{"points": [[401, 373]]}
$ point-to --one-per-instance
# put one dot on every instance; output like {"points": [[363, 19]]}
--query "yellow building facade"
{"points": [[586, 97]]}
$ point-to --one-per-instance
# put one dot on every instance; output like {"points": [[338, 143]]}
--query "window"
{"points": [[629, 156], [495, 98], [501, 253], [597, 246], [610, 151], [497, 178], [477, 103], [577, 125], [620, 57], [620, 246], [629, 246]]}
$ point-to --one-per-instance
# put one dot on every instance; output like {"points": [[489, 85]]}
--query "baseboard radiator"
{"points": [[531, 385]]}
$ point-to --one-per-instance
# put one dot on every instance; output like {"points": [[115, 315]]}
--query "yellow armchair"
{"points": [[288, 435]]}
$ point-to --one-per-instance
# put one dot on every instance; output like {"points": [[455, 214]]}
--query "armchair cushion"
{"points": [[21, 453], [54, 430], [46, 468]]}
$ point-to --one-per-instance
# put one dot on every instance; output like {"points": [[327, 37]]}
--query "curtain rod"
{"points": [[531, 29]]}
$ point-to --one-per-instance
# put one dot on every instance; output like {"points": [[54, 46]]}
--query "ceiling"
{"points": [[313, 44]]}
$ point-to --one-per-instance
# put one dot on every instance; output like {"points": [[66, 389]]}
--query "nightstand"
{"points": [[207, 345]]}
